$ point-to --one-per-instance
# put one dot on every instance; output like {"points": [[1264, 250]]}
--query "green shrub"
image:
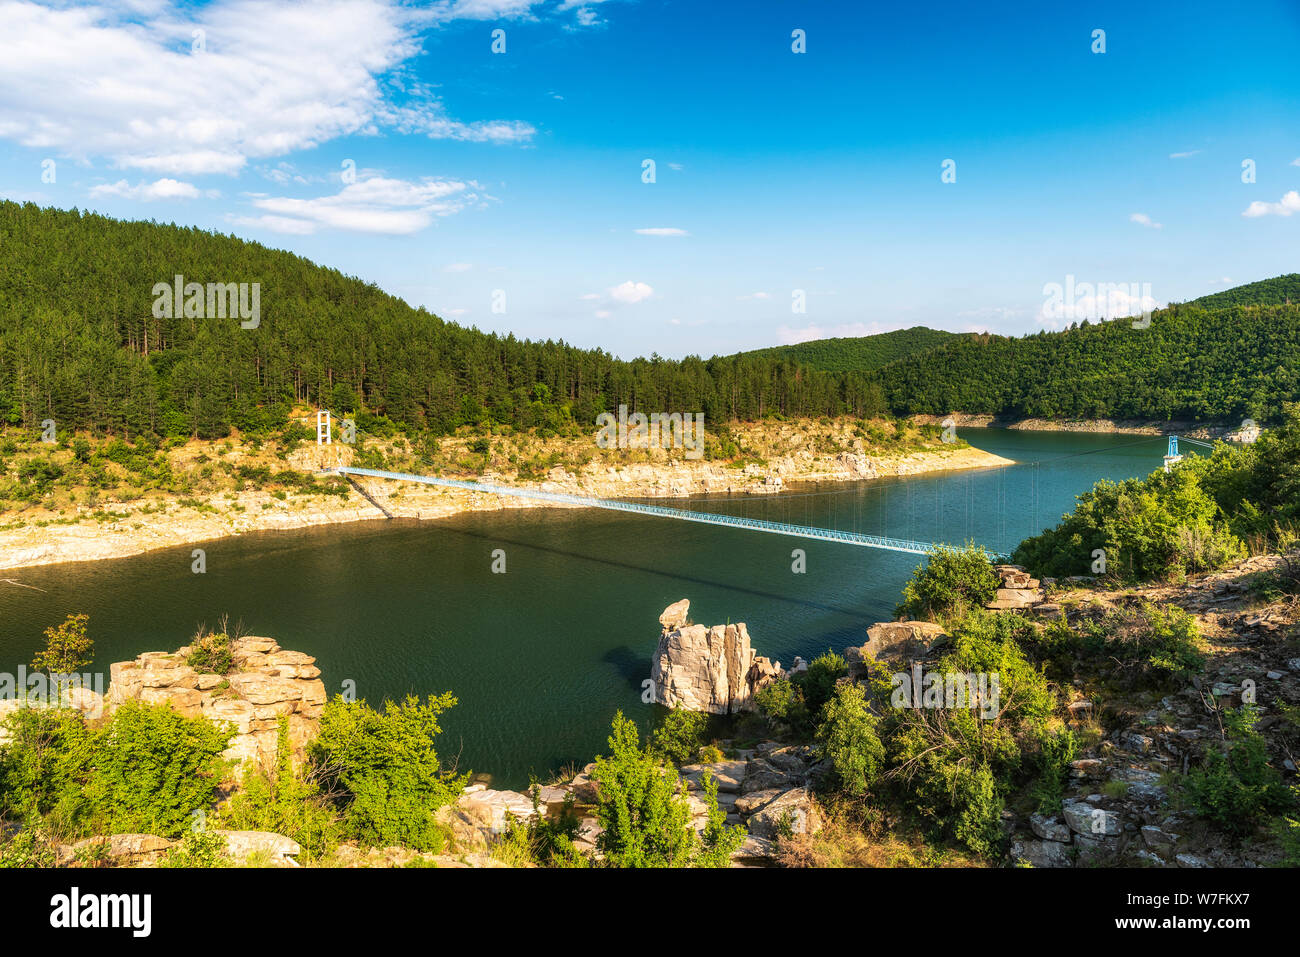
{"points": [[199, 847], [29, 847], [67, 647], [544, 839], [951, 581], [285, 802], [1051, 760], [1151, 646], [152, 768], [646, 820], [44, 767], [782, 700], [1165, 525], [681, 735], [952, 768], [849, 740], [818, 682], [210, 654], [382, 770], [1236, 789]]}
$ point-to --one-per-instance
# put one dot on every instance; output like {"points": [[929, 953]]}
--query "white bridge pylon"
{"points": [[706, 518]]}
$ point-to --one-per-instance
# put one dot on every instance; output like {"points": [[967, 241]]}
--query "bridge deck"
{"points": [[707, 518]]}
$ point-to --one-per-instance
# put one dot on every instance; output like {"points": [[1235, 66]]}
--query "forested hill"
{"points": [[1266, 292], [1222, 363], [859, 354], [79, 344]]}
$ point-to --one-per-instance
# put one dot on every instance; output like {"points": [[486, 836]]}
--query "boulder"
{"points": [[794, 809], [278, 849], [728, 774], [756, 850], [584, 788], [760, 775], [1095, 849], [898, 641], [495, 808], [1157, 839], [756, 800], [124, 849], [1015, 599], [1042, 853], [1049, 828], [1085, 819], [675, 615], [763, 672]]}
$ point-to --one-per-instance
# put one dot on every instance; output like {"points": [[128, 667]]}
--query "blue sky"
{"points": [[389, 141]]}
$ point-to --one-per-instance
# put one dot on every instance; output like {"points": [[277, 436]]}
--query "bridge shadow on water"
{"points": [[861, 613]]}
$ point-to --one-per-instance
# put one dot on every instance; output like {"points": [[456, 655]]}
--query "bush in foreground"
{"points": [[951, 581], [646, 816], [381, 770]]}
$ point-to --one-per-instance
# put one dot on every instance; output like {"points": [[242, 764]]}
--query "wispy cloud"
{"points": [[662, 231], [374, 204], [158, 189], [1142, 219], [1184, 155]]}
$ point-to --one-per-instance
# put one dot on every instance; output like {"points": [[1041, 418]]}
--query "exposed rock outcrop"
{"points": [[707, 669], [897, 641], [1017, 591], [266, 684]]}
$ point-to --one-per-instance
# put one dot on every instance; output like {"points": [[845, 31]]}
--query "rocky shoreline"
{"points": [[118, 530], [1195, 430]]}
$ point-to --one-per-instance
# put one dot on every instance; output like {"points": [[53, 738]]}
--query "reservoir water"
{"points": [[542, 656]]}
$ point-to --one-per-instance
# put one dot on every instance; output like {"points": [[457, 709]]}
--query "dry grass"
{"points": [[855, 836]]}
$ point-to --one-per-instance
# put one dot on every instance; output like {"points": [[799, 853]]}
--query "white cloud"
{"points": [[662, 231], [284, 173], [1142, 219], [158, 189], [589, 296], [1096, 303], [372, 205], [1296, 161], [458, 267], [790, 336], [1185, 155], [602, 313], [273, 76], [1290, 203], [430, 119], [631, 292], [755, 295]]}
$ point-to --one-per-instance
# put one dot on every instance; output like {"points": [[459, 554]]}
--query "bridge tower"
{"points": [[323, 436], [1172, 458]]}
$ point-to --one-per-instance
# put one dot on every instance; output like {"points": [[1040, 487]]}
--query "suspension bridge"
{"points": [[617, 505], [707, 518]]}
